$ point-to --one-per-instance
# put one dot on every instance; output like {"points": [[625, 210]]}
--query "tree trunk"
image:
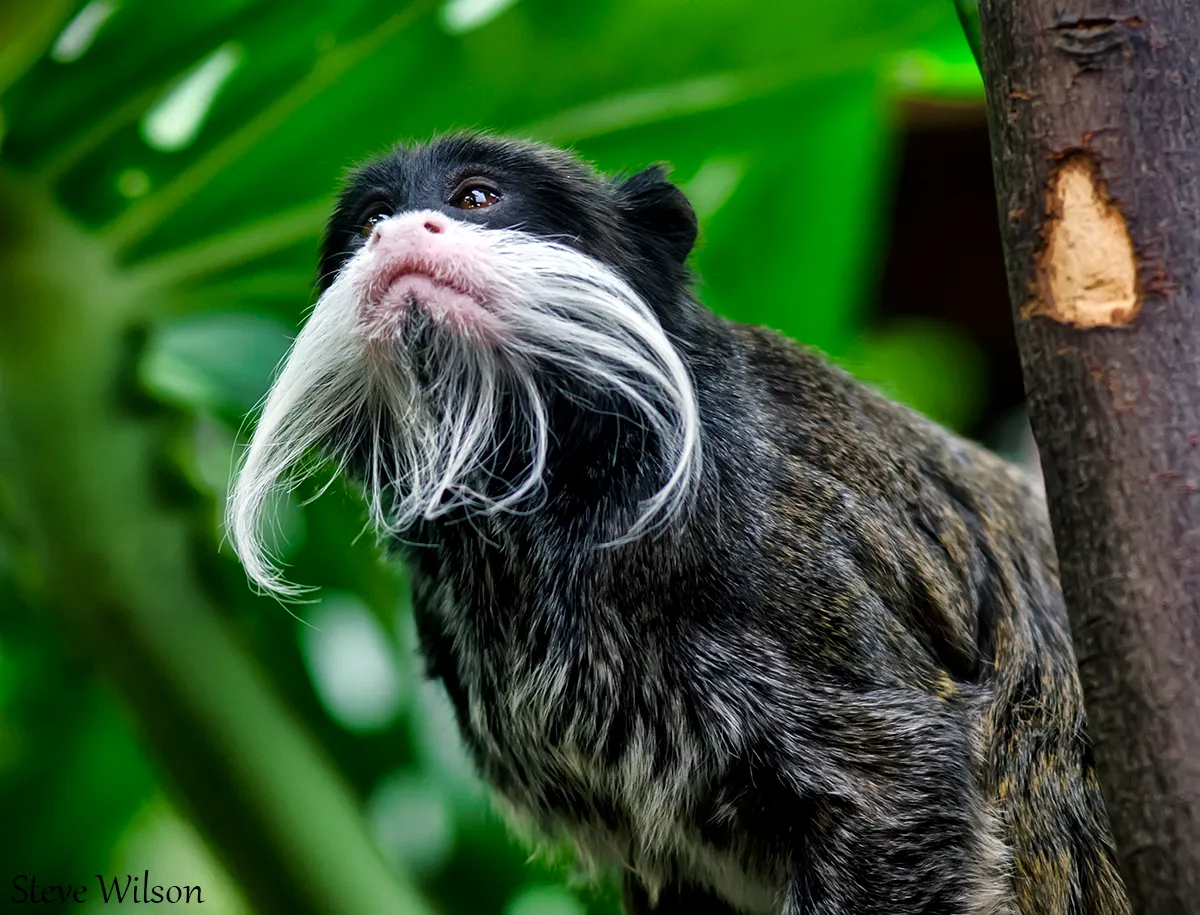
{"points": [[1093, 108]]}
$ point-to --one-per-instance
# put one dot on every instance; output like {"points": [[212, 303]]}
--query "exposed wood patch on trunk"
{"points": [[1087, 269]]}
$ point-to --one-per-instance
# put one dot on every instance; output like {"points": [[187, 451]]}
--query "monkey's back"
{"points": [[955, 545]]}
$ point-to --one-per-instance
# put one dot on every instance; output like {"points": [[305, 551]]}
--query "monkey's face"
{"points": [[465, 286], [643, 227]]}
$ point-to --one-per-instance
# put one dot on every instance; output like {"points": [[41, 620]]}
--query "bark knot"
{"points": [[1086, 39]]}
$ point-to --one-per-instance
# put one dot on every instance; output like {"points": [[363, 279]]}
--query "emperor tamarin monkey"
{"points": [[738, 625]]}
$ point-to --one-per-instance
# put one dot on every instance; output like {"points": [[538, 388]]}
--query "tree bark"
{"points": [[1093, 108]]}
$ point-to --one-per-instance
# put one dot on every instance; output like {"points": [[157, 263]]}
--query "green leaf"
{"points": [[213, 362], [788, 247], [968, 15], [28, 29], [544, 900], [930, 366]]}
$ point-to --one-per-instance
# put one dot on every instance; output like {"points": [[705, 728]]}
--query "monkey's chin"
{"points": [[414, 295]]}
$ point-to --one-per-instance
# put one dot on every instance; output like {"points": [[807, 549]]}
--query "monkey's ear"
{"points": [[659, 210]]}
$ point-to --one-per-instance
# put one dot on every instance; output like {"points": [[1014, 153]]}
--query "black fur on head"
{"points": [[642, 225]]}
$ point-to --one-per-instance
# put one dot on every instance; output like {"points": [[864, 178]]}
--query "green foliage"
{"points": [[163, 181], [968, 14]]}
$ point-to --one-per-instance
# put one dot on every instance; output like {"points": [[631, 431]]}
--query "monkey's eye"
{"points": [[371, 222], [474, 197]]}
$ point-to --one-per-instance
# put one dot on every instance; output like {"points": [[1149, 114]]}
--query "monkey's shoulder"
{"points": [[822, 425]]}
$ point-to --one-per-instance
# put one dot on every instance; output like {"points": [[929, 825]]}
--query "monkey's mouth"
{"points": [[399, 288]]}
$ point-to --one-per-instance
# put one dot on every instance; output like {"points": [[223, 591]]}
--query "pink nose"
{"points": [[410, 225]]}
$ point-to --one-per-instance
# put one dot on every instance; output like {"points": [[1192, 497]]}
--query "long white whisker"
{"points": [[423, 438]]}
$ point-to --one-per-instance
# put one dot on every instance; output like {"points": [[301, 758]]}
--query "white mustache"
{"points": [[342, 389]]}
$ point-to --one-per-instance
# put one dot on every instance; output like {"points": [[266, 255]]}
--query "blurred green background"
{"points": [[165, 169]]}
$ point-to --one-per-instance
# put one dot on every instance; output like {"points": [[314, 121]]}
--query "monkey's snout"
{"points": [[409, 227]]}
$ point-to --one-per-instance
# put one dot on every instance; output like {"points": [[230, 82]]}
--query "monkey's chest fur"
{"points": [[576, 708], [695, 722]]}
